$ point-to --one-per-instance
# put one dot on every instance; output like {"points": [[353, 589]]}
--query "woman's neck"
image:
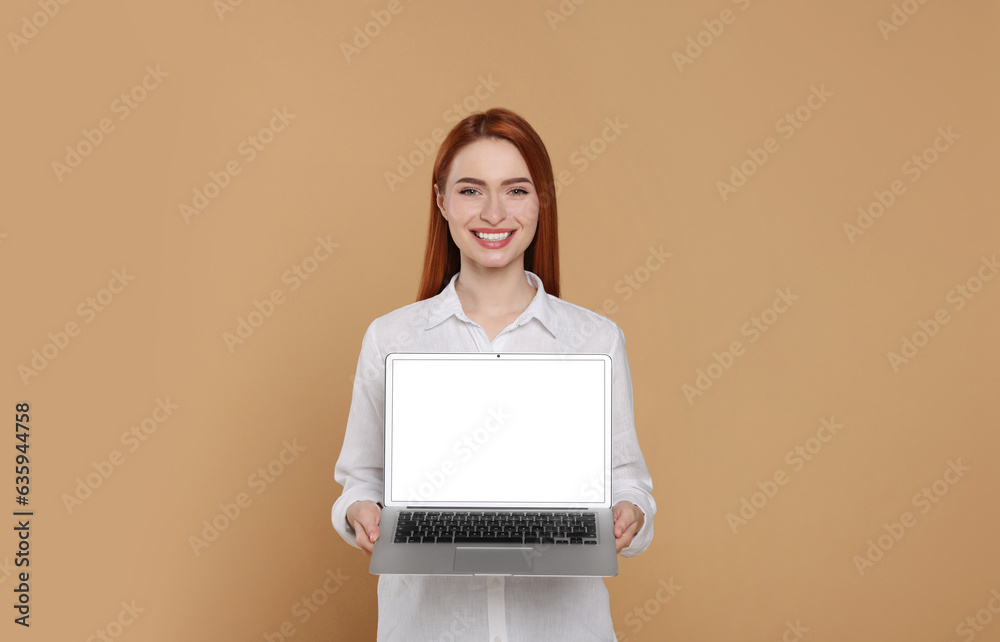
{"points": [[493, 292]]}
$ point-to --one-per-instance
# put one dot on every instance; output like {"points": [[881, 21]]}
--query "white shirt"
{"points": [[416, 608]]}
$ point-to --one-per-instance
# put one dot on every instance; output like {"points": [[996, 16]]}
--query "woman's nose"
{"points": [[493, 212]]}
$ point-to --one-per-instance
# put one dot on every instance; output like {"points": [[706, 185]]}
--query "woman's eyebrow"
{"points": [[479, 181]]}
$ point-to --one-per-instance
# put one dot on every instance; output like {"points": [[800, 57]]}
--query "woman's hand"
{"points": [[363, 516], [628, 521]]}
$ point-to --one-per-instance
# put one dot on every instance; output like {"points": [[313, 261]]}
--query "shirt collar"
{"points": [[447, 304]]}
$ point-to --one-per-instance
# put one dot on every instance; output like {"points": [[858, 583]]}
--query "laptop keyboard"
{"points": [[517, 527]]}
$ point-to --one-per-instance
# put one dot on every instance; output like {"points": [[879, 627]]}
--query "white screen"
{"points": [[510, 430]]}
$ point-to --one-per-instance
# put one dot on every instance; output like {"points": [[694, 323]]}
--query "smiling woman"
{"points": [[490, 284], [500, 145]]}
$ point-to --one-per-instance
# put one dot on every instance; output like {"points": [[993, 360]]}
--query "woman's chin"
{"points": [[498, 263]]}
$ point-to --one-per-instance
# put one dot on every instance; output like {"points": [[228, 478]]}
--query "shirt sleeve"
{"points": [[359, 468], [630, 477]]}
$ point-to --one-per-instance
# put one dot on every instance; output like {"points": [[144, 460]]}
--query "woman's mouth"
{"points": [[493, 240]]}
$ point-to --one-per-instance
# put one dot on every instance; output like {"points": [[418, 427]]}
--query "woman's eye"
{"points": [[467, 191], [519, 189]]}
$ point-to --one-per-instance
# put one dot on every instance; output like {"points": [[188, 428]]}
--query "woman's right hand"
{"points": [[364, 515]]}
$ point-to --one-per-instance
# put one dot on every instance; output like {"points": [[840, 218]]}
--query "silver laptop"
{"points": [[497, 464]]}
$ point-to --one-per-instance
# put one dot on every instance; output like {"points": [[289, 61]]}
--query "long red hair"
{"points": [[441, 256]]}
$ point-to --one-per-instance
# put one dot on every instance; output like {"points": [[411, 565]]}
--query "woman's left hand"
{"points": [[628, 521]]}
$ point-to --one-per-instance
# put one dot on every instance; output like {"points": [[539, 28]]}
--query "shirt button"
{"points": [[498, 639], [496, 582]]}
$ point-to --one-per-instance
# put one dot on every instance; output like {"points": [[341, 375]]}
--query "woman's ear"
{"points": [[439, 200]]}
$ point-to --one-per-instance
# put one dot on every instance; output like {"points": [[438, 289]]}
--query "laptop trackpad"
{"points": [[493, 560]]}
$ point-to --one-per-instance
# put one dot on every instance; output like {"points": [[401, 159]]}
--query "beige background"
{"points": [[793, 564]]}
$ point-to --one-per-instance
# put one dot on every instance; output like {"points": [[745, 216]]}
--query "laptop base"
{"points": [[539, 560]]}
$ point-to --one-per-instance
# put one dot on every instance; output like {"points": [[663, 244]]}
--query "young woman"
{"points": [[490, 284]]}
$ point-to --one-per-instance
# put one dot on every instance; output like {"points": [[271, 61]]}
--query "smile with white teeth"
{"points": [[493, 237]]}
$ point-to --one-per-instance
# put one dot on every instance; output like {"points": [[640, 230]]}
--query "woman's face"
{"points": [[490, 203]]}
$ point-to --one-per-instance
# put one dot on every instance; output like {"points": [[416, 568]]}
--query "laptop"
{"points": [[497, 464]]}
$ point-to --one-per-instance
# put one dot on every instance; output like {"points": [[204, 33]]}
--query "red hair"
{"points": [[441, 256]]}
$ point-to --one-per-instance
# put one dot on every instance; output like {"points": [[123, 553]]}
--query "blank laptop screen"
{"points": [[501, 431]]}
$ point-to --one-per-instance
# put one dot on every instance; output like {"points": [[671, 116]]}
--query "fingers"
{"points": [[366, 531], [365, 525], [624, 515], [362, 539], [625, 537], [626, 524]]}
